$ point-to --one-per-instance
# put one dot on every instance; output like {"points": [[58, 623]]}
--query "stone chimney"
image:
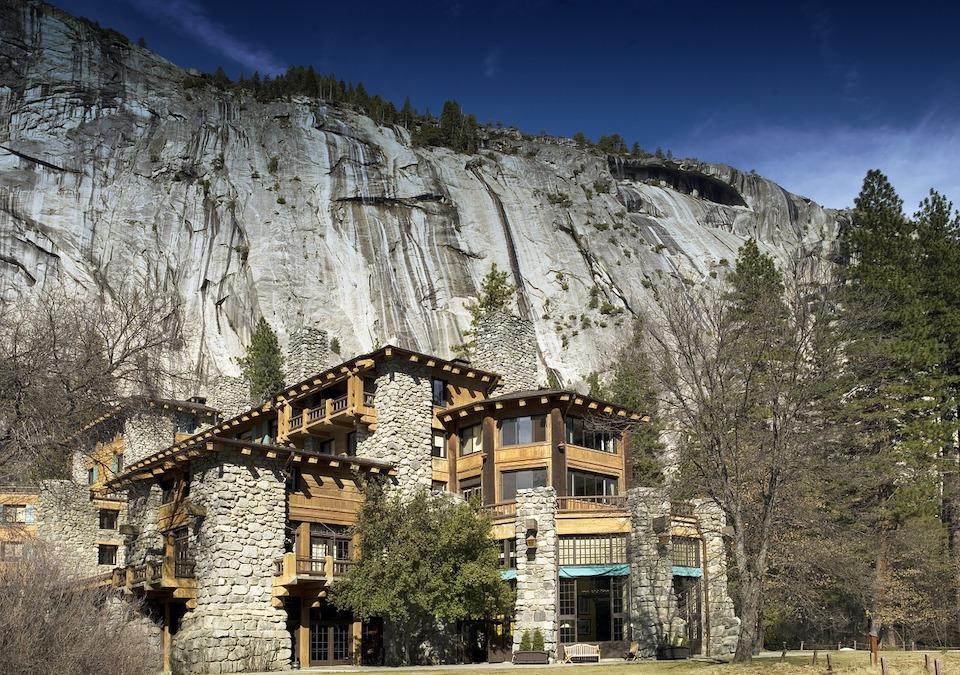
{"points": [[307, 353], [507, 345], [230, 395]]}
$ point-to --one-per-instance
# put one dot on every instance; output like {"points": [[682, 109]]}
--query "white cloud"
{"points": [[192, 19], [490, 63], [828, 165]]}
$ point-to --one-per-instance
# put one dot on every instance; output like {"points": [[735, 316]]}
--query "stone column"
{"points": [[537, 567], [653, 605], [230, 395], [507, 345], [307, 353], [404, 424], [718, 609], [235, 627], [145, 433], [143, 507]]}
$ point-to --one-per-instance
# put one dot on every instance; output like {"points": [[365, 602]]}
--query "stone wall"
{"points": [[404, 421], [724, 624], [230, 395], [307, 353], [235, 626], [145, 433], [143, 507], [537, 570], [69, 522], [653, 605], [507, 345]]}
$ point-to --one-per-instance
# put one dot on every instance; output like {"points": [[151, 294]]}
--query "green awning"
{"points": [[508, 575], [687, 571], [574, 571]]}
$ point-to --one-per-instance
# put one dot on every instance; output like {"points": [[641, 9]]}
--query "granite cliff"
{"points": [[113, 171]]}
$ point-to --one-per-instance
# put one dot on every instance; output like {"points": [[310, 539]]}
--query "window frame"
{"points": [[477, 441], [607, 479], [537, 423], [473, 490], [577, 433], [442, 399], [110, 513], [442, 447], [107, 548], [513, 473]]}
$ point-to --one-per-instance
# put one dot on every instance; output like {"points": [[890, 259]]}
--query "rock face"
{"points": [[112, 172]]}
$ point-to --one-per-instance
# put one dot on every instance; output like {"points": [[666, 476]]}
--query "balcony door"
{"points": [[331, 636]]}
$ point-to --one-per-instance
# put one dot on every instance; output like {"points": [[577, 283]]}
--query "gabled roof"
{"points": [[544, 396], [366, 361]]}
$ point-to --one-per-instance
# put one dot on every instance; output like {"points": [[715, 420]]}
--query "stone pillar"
{"points": [[230, 395], [69, 522], [143, 507], [653, 605], [145, 433], [724, 626], [235, 626], [537, 567], [307, 353], [404, 424], [507, 345]]}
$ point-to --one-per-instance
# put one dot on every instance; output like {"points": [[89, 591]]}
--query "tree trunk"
{"points": [[749, 592]]}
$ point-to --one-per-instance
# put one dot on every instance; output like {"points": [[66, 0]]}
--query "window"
{"points": [[523, 430], [471, 439], [618, 603], [512, 481], [326, 447], [439, 448], [11, 550], [18, 513], [438, 486], [686, 552], [106, 554], [438, 392], [584, 484], [601, 549], [352, 443], [166, 492], [116, 464], [332, 540], [568, 610], [508, 553], [470, 489], [183, 564], [108, 519], [587, 436], [91, 475]]}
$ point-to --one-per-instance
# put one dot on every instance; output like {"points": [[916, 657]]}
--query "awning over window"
{"points": [[687, 571], [508, 575], [574, 571]]}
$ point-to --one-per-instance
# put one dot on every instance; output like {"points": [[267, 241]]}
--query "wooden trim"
{"points": [[488, 480], [558, 458]]}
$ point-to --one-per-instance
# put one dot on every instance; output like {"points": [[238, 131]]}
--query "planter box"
{"points": [[531, 658], [672, 653]]}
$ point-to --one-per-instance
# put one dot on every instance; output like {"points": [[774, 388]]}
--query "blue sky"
{"points": [[809, 94]]}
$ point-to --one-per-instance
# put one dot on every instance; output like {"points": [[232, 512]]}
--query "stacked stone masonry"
{"points": [[307, 353], [145, 433], [507, 345], [537, 570], [724, 624], [235, 627], [402, 398], [230, 395], [69, 522], [653, 610]]}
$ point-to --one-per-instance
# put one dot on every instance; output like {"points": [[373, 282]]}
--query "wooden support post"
{"points": [[303, 634], [829, 665], [783, 654], [926, 663], [357, 643], [874, 649], [814, 660], [883, 666], [936, 667], [167, 661]]}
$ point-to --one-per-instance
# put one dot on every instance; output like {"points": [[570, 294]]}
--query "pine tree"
{"points": [[262, 365], [495, 294]]}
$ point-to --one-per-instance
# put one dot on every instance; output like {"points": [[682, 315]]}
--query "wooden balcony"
{"points": [[291, 570], [598, 503], [500, 510], [344, 410], [175, 577]]}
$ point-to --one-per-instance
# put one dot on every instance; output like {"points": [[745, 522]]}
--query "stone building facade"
{"points": [[507, 344], [234, 534]]}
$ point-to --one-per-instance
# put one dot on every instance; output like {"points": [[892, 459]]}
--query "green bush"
{"points": [[537, 642], [526, 644]]}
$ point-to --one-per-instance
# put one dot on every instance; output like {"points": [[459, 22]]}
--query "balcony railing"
{"points": [[339, 403], [368, 399], [593, 503], [314, 414], [500, 509], [185, 569], [296, 421]]}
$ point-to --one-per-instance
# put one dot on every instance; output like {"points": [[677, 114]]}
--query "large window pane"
{"points": [[523, 430], [586, 435], [512, 481], [585, 484], [471, 439]]}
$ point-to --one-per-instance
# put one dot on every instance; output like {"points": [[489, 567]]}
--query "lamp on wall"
{"points": [[532, 527]]}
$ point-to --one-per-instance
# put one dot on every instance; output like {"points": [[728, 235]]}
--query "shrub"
{"points": [[50, 624], [273, 164], [537, 641], [526, 644], [559, 199], [335, 345]]}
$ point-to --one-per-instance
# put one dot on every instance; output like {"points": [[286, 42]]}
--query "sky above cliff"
{"points": [[810, 95]]}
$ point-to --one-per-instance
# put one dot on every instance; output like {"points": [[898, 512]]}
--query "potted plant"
{"points": [[531, 649], [673, 649]]}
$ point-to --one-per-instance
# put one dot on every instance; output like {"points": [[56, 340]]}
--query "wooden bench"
{"points": [[581, 651]]}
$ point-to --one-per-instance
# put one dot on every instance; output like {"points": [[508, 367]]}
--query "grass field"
{"points": [[849, 662]]}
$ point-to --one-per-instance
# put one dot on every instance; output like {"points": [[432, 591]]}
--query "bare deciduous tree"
{"points": [[747, 375], [66, 360]]}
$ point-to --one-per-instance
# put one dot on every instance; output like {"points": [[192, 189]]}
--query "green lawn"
{"points": [[852, 663]]}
